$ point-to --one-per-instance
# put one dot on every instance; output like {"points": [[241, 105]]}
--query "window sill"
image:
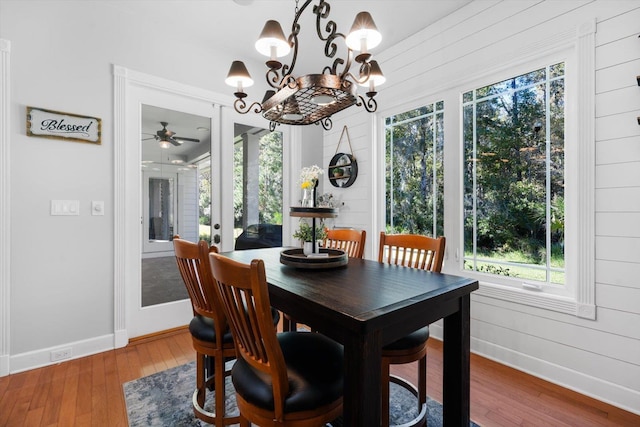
{"points": [[539, 299]]}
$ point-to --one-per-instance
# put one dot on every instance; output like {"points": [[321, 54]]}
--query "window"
{"points": [[513, 133], [257, 192], [529, 116], [414, 171]]}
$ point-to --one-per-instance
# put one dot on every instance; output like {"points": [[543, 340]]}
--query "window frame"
{"points": [[577, 295], [576, 47]]}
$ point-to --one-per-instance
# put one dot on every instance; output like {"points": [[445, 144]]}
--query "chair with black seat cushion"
{"points": [[210, 333], [413, 251], [212, 339], [285, 379], [349, 240]]}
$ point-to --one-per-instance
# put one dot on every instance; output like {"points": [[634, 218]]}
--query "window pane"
{"points": [[514, 178], [414, 171], [257, 196]]}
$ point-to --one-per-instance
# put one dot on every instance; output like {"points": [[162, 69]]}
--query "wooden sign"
{"points": [[71, 127]]}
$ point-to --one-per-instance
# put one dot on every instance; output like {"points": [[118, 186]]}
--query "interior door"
{"points": [[177, 138]]}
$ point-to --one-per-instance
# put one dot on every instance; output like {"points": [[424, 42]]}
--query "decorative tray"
{"points": [[313, 212], [296, 258]]}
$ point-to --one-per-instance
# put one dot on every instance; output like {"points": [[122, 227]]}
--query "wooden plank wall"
{"points": [[601, 357]]}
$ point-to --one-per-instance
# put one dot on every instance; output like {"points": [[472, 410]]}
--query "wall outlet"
{"points": [[61, 354]]}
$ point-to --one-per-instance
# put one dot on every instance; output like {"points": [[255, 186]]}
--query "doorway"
{"points": [[132, 90], [170, 132]]}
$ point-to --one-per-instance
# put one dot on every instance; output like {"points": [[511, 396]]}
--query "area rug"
{"points": [[164, 399]]}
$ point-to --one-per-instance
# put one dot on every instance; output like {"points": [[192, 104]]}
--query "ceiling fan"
{"points": [[166, 137]]}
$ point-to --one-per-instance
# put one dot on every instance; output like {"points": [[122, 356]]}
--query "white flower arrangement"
{"points": [[309, 176]]}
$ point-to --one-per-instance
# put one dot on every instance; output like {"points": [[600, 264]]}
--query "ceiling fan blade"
{"points": [[179, 138], [174, 142], [146, 139]]}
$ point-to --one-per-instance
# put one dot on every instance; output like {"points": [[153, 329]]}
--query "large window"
{"points": [[414, 171], [513, 176]]}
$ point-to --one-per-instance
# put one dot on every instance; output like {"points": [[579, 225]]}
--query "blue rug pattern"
{"points": [[164, 399]]}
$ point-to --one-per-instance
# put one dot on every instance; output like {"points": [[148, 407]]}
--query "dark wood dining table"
{"points": [[365, 305]]}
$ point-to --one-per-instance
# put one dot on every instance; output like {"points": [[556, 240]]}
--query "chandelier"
{"points": [[312, 98]]}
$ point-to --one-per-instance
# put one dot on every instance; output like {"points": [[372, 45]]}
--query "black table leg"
{"points": [[456, 366], [362, 381]]}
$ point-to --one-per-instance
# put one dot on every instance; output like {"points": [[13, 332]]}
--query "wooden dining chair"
{"points": [[210, 332], [211, 336], [413, 251], [349, 240], [286, 379]]}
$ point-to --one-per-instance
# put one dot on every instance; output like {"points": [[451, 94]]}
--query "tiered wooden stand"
{"points": [[297, 258]]}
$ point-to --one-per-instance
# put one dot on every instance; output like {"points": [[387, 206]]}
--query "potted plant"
{"points": [[304, 233], [338, 172]]}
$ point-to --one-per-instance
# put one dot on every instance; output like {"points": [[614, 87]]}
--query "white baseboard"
{"points": [[604, 391], [42, 357]]}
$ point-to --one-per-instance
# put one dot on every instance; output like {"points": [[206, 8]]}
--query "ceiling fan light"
{"points": [[272, 42], [164, 144], [364, 34], [238, 76]]}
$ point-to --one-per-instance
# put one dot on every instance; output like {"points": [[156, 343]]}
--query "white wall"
{"points": [[62, 53], [61, 284], [601, 357]]}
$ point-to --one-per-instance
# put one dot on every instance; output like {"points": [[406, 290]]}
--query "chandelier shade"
{"points": [[376, 78], [239, 77], [312, 98], [364, 34], [272, 42]]}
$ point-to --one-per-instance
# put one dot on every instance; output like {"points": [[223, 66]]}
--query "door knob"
{"points": [[216, 226]]}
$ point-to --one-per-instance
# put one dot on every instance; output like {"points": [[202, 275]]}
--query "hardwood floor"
{"points": [[88, 391]]}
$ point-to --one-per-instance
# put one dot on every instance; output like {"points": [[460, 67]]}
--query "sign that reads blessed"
{"points": [[54, 124]]}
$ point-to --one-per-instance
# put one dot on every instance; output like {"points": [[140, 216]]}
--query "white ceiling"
{"points": [[234, 25]]}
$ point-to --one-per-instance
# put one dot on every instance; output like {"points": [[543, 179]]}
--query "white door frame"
{"points": [[131, 88]]}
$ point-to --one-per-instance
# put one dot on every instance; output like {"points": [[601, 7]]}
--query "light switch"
{"points": [[65, 207], [97, 207]]}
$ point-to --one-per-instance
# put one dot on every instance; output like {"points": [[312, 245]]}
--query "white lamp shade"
{"points": [[272, 40], [363, 28], [238, 75]]}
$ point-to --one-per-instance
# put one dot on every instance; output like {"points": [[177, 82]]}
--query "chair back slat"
{"points": [[244, 293], [412, 250], [350, 241], [193, 264]]}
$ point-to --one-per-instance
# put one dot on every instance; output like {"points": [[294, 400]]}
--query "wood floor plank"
{"points": [[115, 397], [69, 398], [134, 362], [148, 367], [85, 384], [34, 417], [88, 391]]}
